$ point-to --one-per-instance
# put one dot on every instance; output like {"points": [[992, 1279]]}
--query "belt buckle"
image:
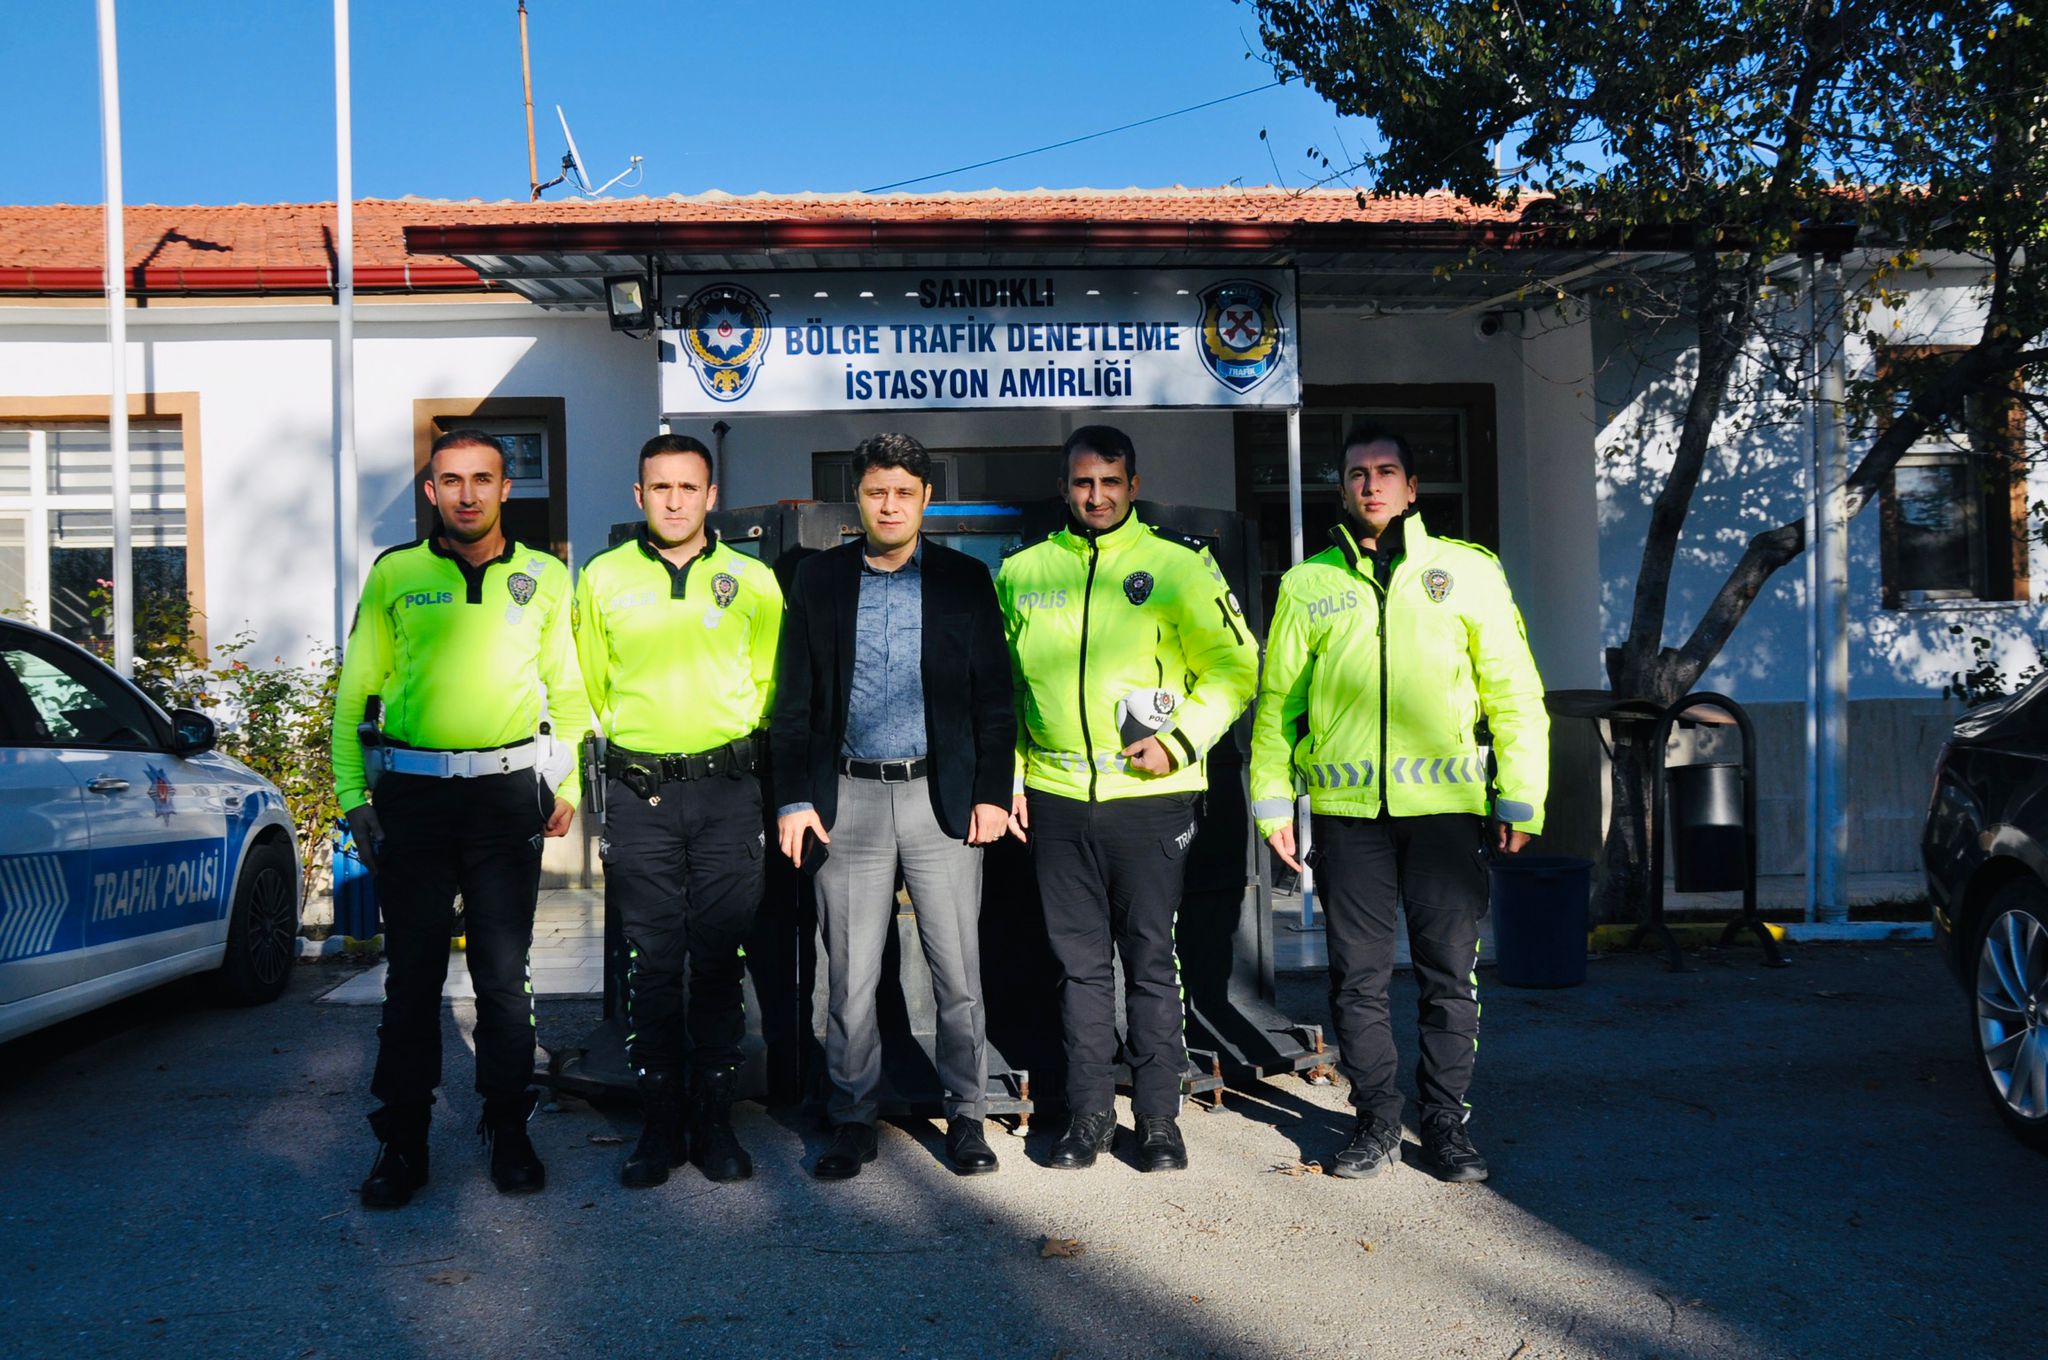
{"points": [[902, 769]]}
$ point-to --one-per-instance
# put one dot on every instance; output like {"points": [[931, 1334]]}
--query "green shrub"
{"points": [[275, 719]]}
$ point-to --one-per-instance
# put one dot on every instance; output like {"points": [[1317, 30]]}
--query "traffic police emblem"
{"points": [[1138, 587], [723, 589], [522, 587], [1436, 583], [160, 791], [1242, 341], [724, 334]]}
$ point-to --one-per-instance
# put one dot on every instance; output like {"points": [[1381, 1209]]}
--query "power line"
{"points": [[1073, 141]]}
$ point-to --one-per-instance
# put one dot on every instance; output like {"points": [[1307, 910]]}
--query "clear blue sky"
{"points": [[233, 102]]}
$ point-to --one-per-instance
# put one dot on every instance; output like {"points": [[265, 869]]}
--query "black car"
{"points": [[1986, 850]]}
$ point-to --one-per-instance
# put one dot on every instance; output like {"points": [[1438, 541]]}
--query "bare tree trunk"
{"points": [[1627, 851]]}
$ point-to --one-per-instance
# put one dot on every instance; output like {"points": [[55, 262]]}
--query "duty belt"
{"points": [[521, 755], [734, 758]]}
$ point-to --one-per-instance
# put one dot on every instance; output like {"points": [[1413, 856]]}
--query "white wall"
{"points": [[1755, 480]]}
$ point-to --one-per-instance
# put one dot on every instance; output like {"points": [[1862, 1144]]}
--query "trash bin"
{"points": [[1709, 838], [1540, 919], [355, 891]]}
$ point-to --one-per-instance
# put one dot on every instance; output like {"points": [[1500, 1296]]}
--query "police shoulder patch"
{"points": [[1188, 541]]}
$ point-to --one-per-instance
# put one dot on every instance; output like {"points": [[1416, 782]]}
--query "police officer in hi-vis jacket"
{"points": [[463, 636], [1131, 659], [676, 634], [1387, 649]]}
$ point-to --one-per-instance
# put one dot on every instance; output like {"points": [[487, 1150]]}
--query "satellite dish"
{"points": [[572, 163]]}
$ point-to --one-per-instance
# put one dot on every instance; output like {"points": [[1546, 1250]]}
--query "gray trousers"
{"points": [[878, 827]]}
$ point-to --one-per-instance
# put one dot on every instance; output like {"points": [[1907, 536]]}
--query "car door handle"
{"points": [[106, 783]]}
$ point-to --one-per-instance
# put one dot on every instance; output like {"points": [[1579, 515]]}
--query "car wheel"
{"points": [[263, 928], [2009, 1008]]}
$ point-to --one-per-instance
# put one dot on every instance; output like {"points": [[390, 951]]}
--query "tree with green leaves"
{"points": [[1727, 136]]}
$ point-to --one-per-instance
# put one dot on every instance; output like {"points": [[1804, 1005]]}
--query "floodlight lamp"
{"points": [[627, 301]]}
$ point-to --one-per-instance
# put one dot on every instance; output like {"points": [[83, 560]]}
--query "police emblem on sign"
{"points": [[1436, 583], [724, 333], [521, 586], [1138, 587], [723, 589], [1242, 342]]}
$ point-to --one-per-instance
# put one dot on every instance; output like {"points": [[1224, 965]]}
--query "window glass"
{"points": [[14, 600], [82, 556], [82, 460], [1932, 526], [14, 462], [77, 704]]}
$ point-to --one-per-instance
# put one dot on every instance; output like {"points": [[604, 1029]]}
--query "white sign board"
{"points": [[896, 340]]}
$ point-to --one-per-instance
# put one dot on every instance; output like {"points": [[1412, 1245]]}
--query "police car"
{"points": [[131, 851]]}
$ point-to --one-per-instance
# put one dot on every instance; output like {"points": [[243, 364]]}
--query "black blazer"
{"points": [[970, 718]]}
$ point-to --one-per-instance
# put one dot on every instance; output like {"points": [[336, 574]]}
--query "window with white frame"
{"points": [[57, 520]]}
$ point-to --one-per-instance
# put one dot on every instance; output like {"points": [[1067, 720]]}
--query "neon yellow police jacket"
{"points": [[1370, 694], [677, 660], [1092, 618], [462, 656]]}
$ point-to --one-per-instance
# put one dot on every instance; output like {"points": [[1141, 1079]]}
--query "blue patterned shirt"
{"points": [[885, 714]]}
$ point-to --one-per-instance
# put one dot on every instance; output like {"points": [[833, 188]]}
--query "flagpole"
{"points": [[117, 345], [346, 531]]}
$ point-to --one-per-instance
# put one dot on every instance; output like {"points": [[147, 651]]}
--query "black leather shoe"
{"points": [[1375, 1145], [401, 1165], [1159, 1144], [967, 1149], [853, 1146], [1448, 1149], [714, 1147], [1087, 1136], [660, 1148], [515, 1166]]}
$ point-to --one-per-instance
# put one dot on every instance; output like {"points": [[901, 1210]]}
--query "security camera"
{"points": [[1489, 324]]}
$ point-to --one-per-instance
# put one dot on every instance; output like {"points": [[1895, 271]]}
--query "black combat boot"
{"points": [[713, 1146], [1160, 1146], [1447, 1148], [1088, 1135], [401, 1165], [661, 1131], [515, 1166]]}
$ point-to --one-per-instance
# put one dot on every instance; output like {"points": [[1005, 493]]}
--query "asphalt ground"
{"points": [[1733, 1161]]}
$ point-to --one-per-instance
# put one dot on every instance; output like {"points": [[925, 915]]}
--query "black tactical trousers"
{"points": [[1110, 874], [684, 871], [1431, 866], [480, 837]]}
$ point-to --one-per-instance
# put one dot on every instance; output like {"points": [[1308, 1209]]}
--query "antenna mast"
{"points": [[526, 74]]}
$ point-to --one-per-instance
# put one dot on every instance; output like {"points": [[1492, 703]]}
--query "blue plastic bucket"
{"points": [[1540, 919], [355, 890]]}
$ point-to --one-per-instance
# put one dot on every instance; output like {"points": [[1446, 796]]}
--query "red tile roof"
{"points": [[288, 247]]}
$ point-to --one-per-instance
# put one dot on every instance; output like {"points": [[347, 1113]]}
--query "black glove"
{"points": [[368, 833]]}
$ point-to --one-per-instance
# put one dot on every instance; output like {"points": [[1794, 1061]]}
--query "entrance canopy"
{"points": [[1431, 253]]}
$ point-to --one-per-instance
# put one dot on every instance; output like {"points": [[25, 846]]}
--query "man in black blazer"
{"points": [[894, 743]]}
